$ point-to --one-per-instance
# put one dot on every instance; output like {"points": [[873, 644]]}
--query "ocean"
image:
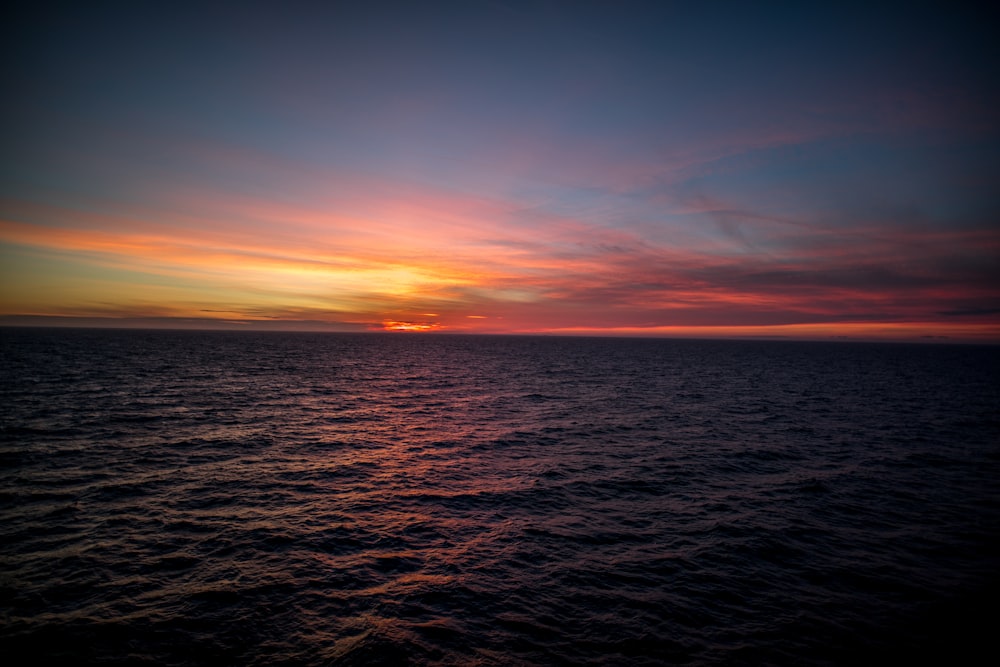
{"points": [[241, 498]]}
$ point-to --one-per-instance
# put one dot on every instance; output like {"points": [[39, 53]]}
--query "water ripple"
{"points": [[261, 499]]}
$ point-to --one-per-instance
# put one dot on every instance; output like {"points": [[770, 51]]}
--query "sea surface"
{"points": [[239, 498]]}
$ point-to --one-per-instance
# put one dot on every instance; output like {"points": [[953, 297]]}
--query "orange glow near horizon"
{"points": [[392, 325], [873, 331], [454, 258]]}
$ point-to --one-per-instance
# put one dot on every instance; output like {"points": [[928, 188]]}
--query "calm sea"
{"points": [[237, 498]]}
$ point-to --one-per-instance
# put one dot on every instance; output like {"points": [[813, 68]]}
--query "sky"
{"points": [[595, 168]]}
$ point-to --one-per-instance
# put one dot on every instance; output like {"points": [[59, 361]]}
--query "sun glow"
{"points": [[395, 325]]}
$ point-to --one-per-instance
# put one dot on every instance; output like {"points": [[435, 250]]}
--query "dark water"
{"points": [[183, 498]]}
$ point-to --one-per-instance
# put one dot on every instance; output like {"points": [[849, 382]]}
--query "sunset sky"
{"points": [[626, 168]]}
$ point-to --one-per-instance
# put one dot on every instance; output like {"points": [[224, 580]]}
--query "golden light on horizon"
{"points": [[396, 325]]}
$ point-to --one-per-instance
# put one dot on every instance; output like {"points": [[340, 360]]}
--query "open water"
{"points": [[237, 498]]}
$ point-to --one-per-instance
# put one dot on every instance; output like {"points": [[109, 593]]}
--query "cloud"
{"points": [[970, 312]]}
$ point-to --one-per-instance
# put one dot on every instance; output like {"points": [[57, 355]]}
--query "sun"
{"points": [[394, 325]]}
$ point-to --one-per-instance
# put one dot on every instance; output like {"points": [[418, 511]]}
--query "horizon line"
{"points": [[850, 332]]}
